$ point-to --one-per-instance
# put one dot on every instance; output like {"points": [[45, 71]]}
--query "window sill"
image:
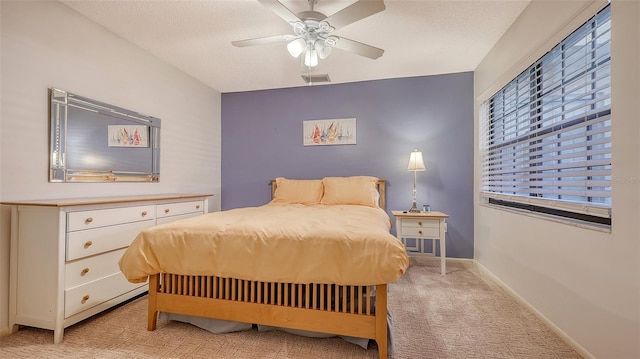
{"points": [[581, 224]]}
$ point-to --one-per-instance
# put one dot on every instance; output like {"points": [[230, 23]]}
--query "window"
{"points": [[546, 136]]}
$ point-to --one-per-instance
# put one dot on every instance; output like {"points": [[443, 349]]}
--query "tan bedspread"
{"points": [[338, 244]]}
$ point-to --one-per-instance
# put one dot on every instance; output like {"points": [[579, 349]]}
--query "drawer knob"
{"points": [[198, 206], [166, 210], [88, 220], [85, 298], [419, 232], [420, 223], [144, 213], [88, 244], [84, 271]]}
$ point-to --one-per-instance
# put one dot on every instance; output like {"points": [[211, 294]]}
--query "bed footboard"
{"points": [[334, 309]]}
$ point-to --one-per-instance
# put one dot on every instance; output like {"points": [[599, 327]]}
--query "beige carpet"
{"points": [[460, 315]]}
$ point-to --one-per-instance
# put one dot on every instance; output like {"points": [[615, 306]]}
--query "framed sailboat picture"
{"points": [[340, 131], [128, 136]]}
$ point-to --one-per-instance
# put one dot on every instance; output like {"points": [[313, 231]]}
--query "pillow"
{"points": [[297, 191], [360, 190]]}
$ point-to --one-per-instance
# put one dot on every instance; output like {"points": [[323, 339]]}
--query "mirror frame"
{"points": [[59, 103]]}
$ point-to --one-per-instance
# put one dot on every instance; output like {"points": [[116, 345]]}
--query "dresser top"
{"points": [[103, 200]]}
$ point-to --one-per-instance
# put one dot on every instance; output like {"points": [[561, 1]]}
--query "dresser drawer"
{"points": [[164, 220], [92, 268], [94, 241], [86, 296], [82, 220], [174, 209]]}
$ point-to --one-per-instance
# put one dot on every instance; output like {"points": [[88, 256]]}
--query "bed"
{"points": [[318, 257]]}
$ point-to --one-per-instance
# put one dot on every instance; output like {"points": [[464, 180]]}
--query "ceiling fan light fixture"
{"points": [[324, 26], [311, 58], [331, 40], [296, 47], [299, 26], [313, 31], [323, 49]]}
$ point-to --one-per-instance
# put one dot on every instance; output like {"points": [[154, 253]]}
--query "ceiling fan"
{"points": [[313, 31]]}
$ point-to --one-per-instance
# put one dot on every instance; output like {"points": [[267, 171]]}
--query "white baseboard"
{"points": [[435, 258], [4, 332], [577, 347], [463, 260]]}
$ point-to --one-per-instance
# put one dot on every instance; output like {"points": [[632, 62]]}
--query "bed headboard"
{"points": [[380, 184]]}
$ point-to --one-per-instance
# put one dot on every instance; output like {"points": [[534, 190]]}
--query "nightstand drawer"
{"points": [[421, 223], [420, 232]]}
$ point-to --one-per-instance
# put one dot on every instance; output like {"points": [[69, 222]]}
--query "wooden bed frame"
{"points": [[334, 309]]}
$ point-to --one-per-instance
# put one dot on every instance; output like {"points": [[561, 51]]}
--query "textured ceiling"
{"points": [[420, 37]]}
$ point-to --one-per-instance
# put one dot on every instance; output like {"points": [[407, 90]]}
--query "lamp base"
{"points": [[414, 209]]}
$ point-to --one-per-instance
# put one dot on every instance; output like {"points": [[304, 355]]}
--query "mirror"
{"points": [[93, 141]]}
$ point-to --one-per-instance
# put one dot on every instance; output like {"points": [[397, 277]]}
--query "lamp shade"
{"points": [[311, 58], [415, 162], [296, 47], [323, 49]]}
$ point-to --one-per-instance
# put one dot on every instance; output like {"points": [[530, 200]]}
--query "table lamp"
{"points": [[415, 164]]}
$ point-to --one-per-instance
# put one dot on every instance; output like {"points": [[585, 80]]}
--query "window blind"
{"points": [[546, 136]]}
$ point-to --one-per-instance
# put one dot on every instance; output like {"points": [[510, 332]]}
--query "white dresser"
{"points": [[65, 253]]}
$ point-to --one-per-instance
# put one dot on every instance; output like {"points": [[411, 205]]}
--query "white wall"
{"points": [[586, 283], [46, 44], [4, 244]]}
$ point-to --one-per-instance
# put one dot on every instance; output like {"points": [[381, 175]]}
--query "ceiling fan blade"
{"points": [[359, 48], [280, 10], [354, 12], [263, 40]]}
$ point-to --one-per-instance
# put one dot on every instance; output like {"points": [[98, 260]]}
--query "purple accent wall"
{"points": [[262, 139]]}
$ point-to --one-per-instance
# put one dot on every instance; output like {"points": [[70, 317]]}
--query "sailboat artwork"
{"points": [[329, 132], [128, 136]]}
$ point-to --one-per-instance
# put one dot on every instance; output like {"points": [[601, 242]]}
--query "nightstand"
{"points": [[421, 226]]}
